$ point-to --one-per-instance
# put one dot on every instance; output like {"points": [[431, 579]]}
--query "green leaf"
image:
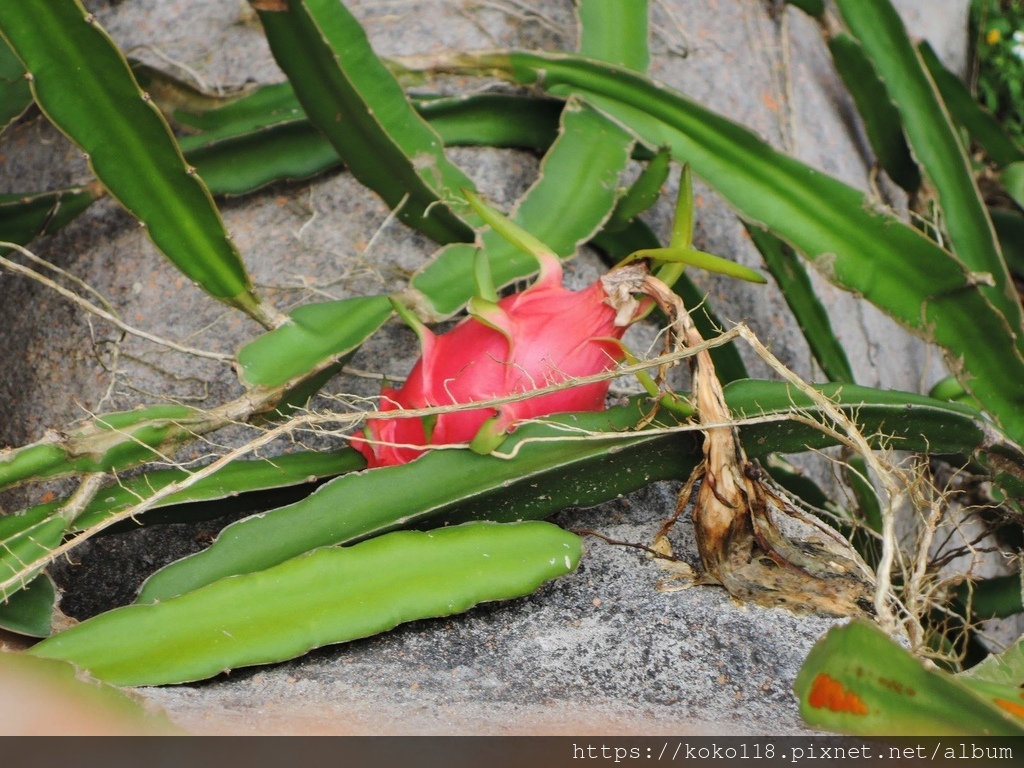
{"points": [[1006, 668], [1010, 228], [23, 540], [15, 95], [950, 388], [177, 96], [868, 509], [237, 165], [547, 475], [330, 595], [793, 480], [858, 680], [881, 118], [995, 598], [35, 460], [580, 172], [489, 119], [707, 261], [905, 421], [911, 422], [349, 95], [236, 487], [111, 441], [509, 231], [316, 335], [84, 86], [811, 316], [493, 120], [614, 31], [246, 141], [937, 147], [242, 486], [642, 193], [29, 611], [252, 139], [23, 218], [240, 155], [263, 107], [979, 122], [1012, 178], [874, 254], [682, 223], [296, 394], [814, 8]]}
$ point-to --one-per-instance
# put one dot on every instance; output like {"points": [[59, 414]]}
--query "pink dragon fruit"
{"points": [[541, 336]]}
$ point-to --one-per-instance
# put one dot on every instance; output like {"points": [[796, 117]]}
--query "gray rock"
{"points": [[604, 649]]}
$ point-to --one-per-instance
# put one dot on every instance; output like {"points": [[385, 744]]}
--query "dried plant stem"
{"points": [[915, 594], [84, 494], [148, 503], [70, 278], [844, 427], [736, 515], [88, 306]]}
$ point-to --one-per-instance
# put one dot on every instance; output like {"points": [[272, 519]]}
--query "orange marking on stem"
{"points": [[1011, 706], [828, 693]]}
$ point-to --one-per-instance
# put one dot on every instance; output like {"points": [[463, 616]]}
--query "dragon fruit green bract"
{"points": [[541, 336]]}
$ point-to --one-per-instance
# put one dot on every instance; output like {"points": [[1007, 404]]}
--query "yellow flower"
{"points": [[993, 36]]}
